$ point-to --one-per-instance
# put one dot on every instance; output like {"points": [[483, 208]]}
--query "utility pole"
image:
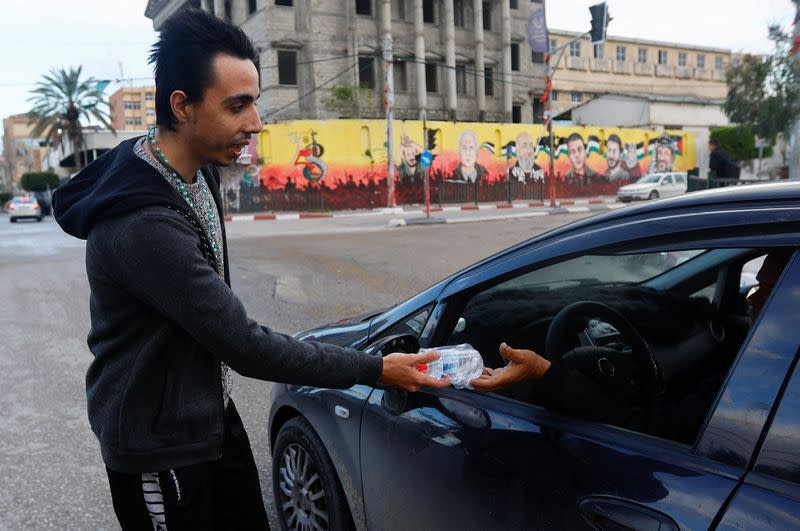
{"points": [[388, 96]]}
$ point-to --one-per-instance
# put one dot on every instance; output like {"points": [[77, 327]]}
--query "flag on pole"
{"points": [[537, 31]]}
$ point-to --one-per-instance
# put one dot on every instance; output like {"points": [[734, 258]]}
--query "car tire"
{"points": [[300, 500], [653, 195], [12, 220], [39, 219]]}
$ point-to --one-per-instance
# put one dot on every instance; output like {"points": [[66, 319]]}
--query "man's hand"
{"points": [[399, 369], [522, 365]]}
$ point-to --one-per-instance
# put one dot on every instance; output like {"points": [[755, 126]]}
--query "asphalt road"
{"points": [[290, 275]]}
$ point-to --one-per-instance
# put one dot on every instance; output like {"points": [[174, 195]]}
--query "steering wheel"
{"points": [[630, 373]]}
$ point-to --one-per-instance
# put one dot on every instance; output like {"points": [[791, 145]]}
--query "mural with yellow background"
{"points": [[348, 158]]}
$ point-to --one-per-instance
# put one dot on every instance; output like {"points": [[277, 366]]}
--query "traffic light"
{"points": [[600, 20]]}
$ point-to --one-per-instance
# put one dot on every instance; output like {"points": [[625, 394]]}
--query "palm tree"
{"points": [[61, 101]]}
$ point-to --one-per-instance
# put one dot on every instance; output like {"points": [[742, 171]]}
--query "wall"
{"points": [[346, 159]]}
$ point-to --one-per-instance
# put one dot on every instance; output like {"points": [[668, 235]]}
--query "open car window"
{"points": [[693, 340]]}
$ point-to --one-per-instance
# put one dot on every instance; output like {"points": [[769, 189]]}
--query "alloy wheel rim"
{"points": [[302, 495]]}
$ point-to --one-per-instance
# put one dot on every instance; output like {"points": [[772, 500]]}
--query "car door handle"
{"points": [[612, 513]]}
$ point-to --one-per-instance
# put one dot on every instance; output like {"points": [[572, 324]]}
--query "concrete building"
{"points": [[453, 59], [637, 67], [96, 142], [689, 113], [22, 151], [133, 108]]}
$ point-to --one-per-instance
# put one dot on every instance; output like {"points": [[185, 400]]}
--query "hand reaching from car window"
{"points": [[522, 365], [400, 370]]}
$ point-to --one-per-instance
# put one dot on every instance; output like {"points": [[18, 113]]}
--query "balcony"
{"points": [[623, 67], [577, 63], [601, 65], [664, 70], [684, 72], [644, 69]]}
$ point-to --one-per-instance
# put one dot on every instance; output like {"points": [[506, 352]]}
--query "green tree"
{"points": [[38, 181], [739, 142], [764, 91], [348, 100], [62, 103]]}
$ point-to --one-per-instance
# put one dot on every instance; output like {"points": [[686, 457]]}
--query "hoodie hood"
{"points": [[115, 184]]}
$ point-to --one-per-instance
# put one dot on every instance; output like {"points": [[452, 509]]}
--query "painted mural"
{"points": [[343, 163]]}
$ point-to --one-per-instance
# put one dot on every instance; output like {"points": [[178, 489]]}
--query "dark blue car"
{"points": [[677, 409]]}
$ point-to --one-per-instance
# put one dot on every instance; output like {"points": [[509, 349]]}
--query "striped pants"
{"points": [[221, 495]]}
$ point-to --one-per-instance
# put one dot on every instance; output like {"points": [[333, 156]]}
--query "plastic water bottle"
{"points": [[461, 363]]}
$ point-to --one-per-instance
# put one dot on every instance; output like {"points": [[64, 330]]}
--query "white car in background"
{"points": [[24, 207], [653, 186]]}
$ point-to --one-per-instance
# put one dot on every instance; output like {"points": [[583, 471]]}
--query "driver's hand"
{"points": [[522, 365], [400, 369]]}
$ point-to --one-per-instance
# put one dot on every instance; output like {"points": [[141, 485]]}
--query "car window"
{"points": [[780, 455], [667, 180], [680, 179], [411, 325], [692, 352]]}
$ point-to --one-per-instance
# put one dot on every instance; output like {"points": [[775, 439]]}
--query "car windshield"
{"points": [[22, 200], [649, 179]]}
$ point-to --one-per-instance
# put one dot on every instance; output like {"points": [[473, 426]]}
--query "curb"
{"points": [[567, 209], [577, 205]]}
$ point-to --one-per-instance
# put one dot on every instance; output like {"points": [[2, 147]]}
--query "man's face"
{"points": [[577, 154], [408, 151], [525, 147], [612, 154], [467, 151], [219, 126], [767, 277], [663, 158]]}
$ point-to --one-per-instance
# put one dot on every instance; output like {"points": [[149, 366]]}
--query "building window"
{"points": [[431, 80], [516, 114], [554, 95], [366, 72], [701, 61], [287, 3], [718, 62], [681, 58], [514, 56], [575, 49], [132, 105], [662, 57], [621, 53], [576, 97], [553, 45], [514, 4], [642, 55], [252, 6], [287, 67], [400, 80], [461, 80], [399, 9], [488, 81], [487, 16], [599, 51], [458, 13], [427, 12], [537, 57], [149, 96], [364, 7]]}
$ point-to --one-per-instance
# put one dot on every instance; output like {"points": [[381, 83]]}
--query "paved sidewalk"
{"points": [[526, 208]]}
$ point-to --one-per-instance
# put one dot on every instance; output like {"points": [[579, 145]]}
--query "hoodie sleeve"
{"points": [[158, 259]]}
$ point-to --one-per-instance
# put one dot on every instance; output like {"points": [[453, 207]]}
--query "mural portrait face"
{"points": [[468, 149], [630, 155], [525, 149], [613, 153], [664, 158], [409, 151], [577, 154]]}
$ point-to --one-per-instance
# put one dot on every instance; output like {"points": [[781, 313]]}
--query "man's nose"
{"points": [[254, 124]]}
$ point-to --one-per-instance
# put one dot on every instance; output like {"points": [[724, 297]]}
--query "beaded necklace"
{"points": [[207, 206]]}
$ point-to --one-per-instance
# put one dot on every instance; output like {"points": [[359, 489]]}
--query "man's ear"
{"points": [[181, 108]]}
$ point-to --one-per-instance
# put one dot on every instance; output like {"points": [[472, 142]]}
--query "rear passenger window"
{"points": [[780, 455], [667, 180]]}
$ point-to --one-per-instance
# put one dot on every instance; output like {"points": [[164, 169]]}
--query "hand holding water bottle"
{"points": [[401, 370], [460, 363]]}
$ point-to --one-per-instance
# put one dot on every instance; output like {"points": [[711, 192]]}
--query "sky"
{"points": [[111, 38]]}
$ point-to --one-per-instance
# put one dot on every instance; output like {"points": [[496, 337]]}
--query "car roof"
{"points": [[743, 195]]}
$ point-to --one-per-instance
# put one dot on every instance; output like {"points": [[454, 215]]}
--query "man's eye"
{"points": [[237, 109]]}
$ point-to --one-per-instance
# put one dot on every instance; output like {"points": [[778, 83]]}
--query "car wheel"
{"points": [[307, 490], [39, 219], [12, 220], [653, 195]]}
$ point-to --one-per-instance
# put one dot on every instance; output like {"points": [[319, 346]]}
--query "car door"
{"points": [[769, 497], [666, 188], [456, 459]]}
